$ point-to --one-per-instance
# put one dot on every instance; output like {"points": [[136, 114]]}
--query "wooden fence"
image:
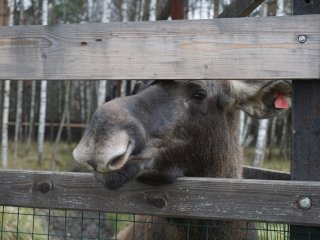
{"points": [[244, 48]]}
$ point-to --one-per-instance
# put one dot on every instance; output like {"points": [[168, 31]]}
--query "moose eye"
{"points": [[199, 95]]}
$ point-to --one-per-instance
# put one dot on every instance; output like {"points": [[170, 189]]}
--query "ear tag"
{"points": [[280, 102]]}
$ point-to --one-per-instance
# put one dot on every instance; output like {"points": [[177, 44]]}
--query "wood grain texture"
{"points": [[243, 48], [305, 164], [255, 200]]}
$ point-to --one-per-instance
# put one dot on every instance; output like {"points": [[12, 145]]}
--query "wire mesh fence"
{"points": [[39, 224]]}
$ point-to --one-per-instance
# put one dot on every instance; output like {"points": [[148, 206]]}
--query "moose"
{"points": [[169, 129]]}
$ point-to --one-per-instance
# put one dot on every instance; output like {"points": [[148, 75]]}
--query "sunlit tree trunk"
{"points": [[261, 143], [43, 95]]}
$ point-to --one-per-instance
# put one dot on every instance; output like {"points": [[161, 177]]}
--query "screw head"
{"points": [[302, 38], [304, 203]]}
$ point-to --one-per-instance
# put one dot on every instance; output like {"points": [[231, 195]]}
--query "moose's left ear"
{"points": [[263, 99]]}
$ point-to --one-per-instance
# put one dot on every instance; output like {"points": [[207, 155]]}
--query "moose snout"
{"points": [[106, 154], [93, 164]]}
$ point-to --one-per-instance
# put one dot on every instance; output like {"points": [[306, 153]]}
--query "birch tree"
{"points": [[64, 118], [6, 101], [5, 118], [18, 119], [102, 85], [261, 143], [280, 8], [43, 95], [18, 122], [31, 117]]}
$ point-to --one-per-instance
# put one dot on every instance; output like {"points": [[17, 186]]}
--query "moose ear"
{"points": [[263, 99]]}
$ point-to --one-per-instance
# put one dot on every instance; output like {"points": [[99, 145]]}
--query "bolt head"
{"points": [[304, 203], [302, 38]]}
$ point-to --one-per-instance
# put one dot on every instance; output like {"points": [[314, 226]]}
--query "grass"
{"points": [[278, 160], [29, 161]]}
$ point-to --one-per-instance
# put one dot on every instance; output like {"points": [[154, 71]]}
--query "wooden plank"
{"points": [[245, 48], [266, 174], [240, 8], [305, 164], [255, 200], [306, 7]]}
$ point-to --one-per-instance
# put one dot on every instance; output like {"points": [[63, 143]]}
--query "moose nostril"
{"points": [[93, 164], [117, 162]]}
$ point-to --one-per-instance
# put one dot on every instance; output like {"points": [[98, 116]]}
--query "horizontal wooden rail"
{"points": [[245, 48], [263, 173], [256, 200]]}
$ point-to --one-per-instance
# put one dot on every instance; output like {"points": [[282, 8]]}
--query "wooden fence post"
{"points": [[305, 165]]}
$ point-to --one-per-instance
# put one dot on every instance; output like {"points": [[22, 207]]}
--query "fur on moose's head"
{"points": [[169, 129]]}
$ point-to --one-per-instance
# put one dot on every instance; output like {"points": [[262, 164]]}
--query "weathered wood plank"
{"points": [[254, 200], [305, 164], [245, 48], [240, 8], [265, 174]]}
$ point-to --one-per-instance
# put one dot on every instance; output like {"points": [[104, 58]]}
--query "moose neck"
{"points": [[219, 153]]}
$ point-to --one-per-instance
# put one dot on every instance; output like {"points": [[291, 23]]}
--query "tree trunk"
{"points": [[163, 9], [3, 13], [102, 86], [241, 125], [216, 8], [88, 101], [146, 11], [272, 138], [261, 143], [31, 118], [6, 101], [82, 102], [68, 112], [5, 118], [179, 9], [17, 131], [42, 119], [43, 95], [280, 8], [283, 141], [62, 122]]}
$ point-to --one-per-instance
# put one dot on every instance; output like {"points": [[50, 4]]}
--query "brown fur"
{"points": [[177, 133]]}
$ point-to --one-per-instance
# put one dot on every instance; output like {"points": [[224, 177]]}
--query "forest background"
{"points": [[41, 121]]}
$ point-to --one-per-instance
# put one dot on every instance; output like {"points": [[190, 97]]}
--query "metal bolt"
{"points": [[302, 38], [304, 203]]}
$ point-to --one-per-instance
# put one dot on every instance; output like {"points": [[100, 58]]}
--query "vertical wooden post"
{"points": [[305, 165]]}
